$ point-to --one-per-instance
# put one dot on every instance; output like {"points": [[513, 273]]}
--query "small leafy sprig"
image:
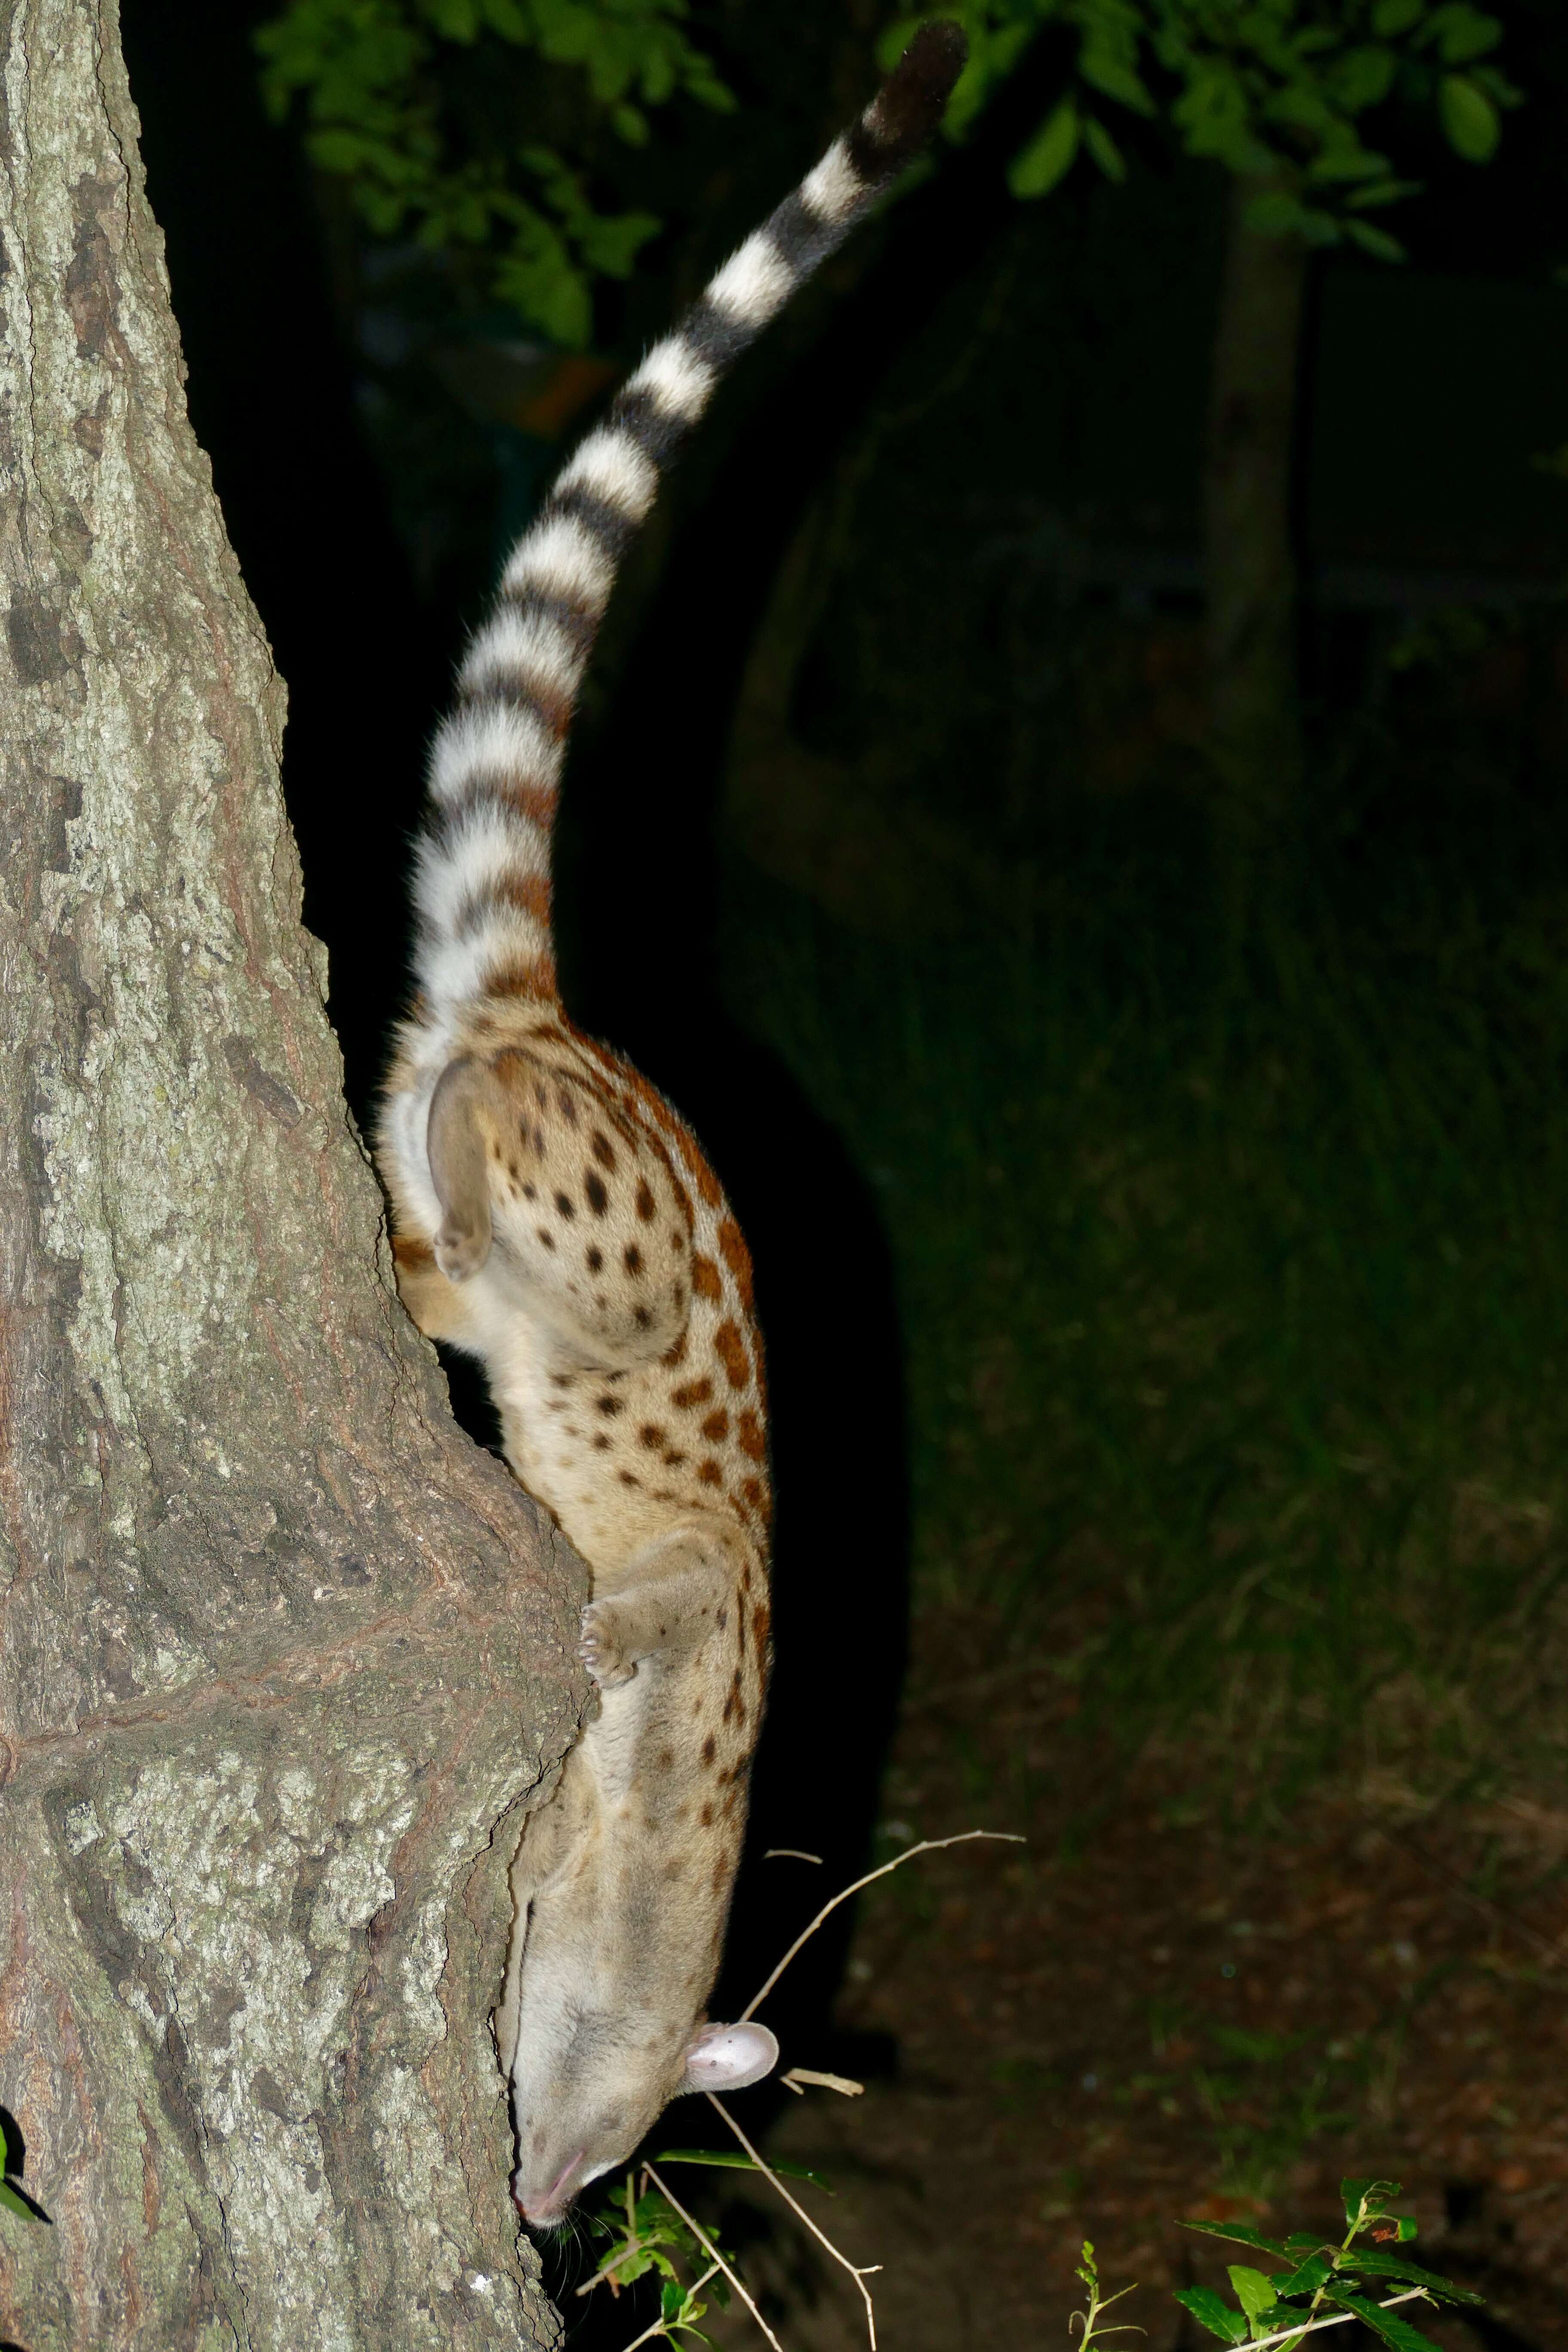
{"points": [[647, 2233], [1325, 2285], [14, 2198], [1088, 2270]]}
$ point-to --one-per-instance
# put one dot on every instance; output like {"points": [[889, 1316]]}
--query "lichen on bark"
{"points": [[282, 1656]]}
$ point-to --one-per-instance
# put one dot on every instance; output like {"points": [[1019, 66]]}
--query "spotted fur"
{"points": [[554, 1215]]}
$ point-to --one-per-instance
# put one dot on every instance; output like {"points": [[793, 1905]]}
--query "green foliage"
{"points": [[1275, 90], [14, 2198], [725, 2160], [645, 2237], [1088, 2322], [1282, 2307], [398, 98]]}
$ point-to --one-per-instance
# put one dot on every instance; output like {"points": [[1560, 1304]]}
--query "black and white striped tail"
{"points": [[482, 886]]}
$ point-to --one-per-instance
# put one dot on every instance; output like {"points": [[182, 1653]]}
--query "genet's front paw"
{"points": [[602, 1648]]}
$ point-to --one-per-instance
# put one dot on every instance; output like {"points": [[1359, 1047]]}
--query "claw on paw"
{"points": [[601, 1649]]}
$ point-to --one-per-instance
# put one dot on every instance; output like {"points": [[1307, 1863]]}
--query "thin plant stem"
{"points": [[659, 2327], [1339, 2319], [706, 2243], [858, 2275], [926, 1845]]}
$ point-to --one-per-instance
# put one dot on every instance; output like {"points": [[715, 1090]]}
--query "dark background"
{"points": [[964, 1039]]}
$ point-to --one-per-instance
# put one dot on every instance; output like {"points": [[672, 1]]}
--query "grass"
{"points": [[1234, 1272]]}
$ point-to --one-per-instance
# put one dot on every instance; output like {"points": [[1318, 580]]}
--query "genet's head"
{"points": [[582, 2101]]}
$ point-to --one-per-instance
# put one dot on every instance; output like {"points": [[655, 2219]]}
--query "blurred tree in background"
{"points": [[1295, 98]]}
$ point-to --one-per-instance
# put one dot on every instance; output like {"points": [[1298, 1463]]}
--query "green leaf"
{"points": [[1374, 2194], [1381, 192], [1363, 77], [723, 2158], [1395, 2331], [1237, 2234], [1470, 119], [1109, 67], [1048, 156], [1211, 2312], [1253, 2290], [1377, 2264], [1391, 17], [17, 2201], [1104, 149], [1306, 2280], [1375, 241], [1462, 34]]}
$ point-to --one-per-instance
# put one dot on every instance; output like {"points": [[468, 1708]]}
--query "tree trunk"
{"points": [[282, 1655], [1249, 564]]}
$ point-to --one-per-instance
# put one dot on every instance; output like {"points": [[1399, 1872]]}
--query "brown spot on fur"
{"points": [[673, 1460], [710, 1749], [407, 1249], [705, 1817], [594, 1187], [629, 1478], [730, 1349], [601, 1442], [595, 1259], [690, 1393], [610, 1404], [531, 1193], [756, 1495], [652, 1436], [675, 1355], [749, 1430], [711, 1474], [564, 1097], [631, 1258], [566, 1205], [642, 1318], [738, 1258], [604, 1150], [646, 1202], [716, 1427], [705, 1279], [760, 1620], [546, 1236]]}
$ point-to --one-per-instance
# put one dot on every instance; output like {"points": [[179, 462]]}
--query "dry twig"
{"points": [[926, 1845], [858, 2274]]}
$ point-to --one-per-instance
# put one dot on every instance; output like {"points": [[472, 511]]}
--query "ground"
{"points": [[1147, 2015]]}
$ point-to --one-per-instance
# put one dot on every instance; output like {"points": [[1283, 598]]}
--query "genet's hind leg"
{"points": [[577, 1211]]}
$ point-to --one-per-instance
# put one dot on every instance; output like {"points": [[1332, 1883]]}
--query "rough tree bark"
{"points": [[282, 1655], [1249, 560]]}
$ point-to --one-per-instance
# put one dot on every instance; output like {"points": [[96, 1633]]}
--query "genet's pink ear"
{"points": [[727, 2057]]}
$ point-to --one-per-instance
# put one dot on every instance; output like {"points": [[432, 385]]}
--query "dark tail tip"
{"points": [[906, 110]]}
